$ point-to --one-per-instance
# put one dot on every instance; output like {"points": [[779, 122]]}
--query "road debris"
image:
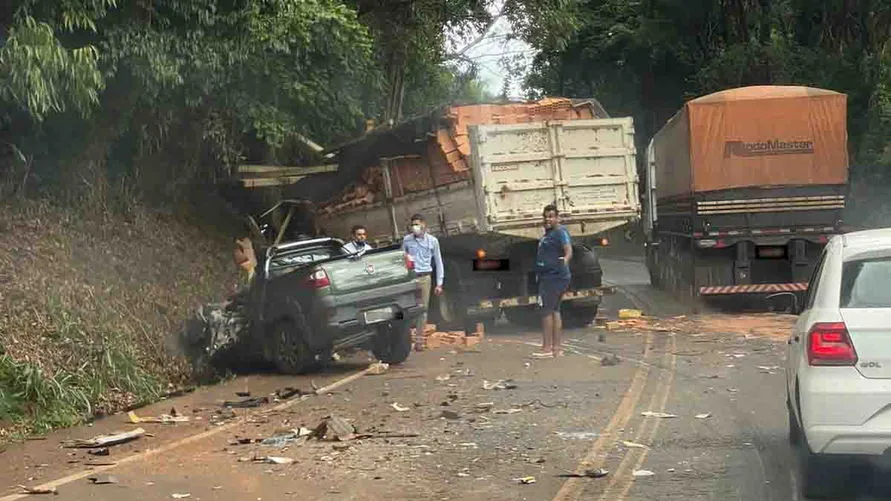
{"points": [[340, 446], [704, 415], [162, 419], [660, 415], [577, 435], [288, 392], [180, 496], [116, 438], [634, 445], [642, 473], [103, 479], [99, 452], [242, 394], [507, 411], [598, 473], [501, 384], [610, 360], [627, 314], [526, 480], [377, 368], [246, 403], [443, 378], [287, 438], [450, 415], [334, 429], [39, 490], [273, 460], [399, 408], [484, 406]]}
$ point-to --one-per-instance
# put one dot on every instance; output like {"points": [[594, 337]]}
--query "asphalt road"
{"points": [[564, 416]]}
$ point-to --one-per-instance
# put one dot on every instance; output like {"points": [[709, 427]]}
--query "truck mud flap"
{"points": [[720, 290], [512, 302]]}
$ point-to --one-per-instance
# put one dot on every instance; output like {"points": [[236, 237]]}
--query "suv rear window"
{"points": [[866, 283]]}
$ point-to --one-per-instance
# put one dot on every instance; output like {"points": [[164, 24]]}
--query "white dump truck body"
{"points": [[586, 167]]}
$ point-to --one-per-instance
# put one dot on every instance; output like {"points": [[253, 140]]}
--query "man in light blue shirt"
{"points": [[423, 248]]}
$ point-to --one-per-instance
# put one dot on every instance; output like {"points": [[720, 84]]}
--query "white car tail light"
{"points": [[829, 344]]}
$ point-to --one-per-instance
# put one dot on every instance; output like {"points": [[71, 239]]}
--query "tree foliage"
{"points": [[646, 57]]}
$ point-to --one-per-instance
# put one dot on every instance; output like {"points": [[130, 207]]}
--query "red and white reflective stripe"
{"points": [[752, 289]]}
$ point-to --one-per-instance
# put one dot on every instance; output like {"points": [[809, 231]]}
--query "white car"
{"points": [[838, 372]]}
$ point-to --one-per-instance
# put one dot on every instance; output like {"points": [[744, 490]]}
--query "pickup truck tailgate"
{"points": [[368, 272]]}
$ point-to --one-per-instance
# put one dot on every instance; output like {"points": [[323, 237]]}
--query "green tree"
{"points": [[646, 58]]}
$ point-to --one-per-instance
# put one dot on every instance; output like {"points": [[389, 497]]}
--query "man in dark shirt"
{"points": [[552, 267]]}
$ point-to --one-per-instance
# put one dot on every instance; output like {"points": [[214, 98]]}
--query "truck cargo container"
{"points": [[481, 175], [744, 188]]}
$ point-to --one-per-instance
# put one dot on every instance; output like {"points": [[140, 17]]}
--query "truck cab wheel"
{"points": [[577, 317], [392, 345]]}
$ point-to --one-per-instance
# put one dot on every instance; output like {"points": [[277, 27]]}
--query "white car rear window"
{"points": [[866, 283]]}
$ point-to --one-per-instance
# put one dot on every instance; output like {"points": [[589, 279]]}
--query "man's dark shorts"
{"points": [[550, 292]]}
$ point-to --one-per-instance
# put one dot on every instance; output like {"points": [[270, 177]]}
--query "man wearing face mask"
{"points": [[423, 248], [358, 245]]}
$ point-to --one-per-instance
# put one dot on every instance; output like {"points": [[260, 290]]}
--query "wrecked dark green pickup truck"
{"points": [[308, 298], [311, 298]]}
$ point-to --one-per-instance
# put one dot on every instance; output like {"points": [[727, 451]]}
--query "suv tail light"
{"points": [[409, 262], [317, 279], [830, 344]]}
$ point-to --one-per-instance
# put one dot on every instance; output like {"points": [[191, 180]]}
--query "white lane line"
{"points": [[183, 441], [794, 482]]}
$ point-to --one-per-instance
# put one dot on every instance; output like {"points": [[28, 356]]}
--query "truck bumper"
{"points": [[724, 290], [583, 297]]}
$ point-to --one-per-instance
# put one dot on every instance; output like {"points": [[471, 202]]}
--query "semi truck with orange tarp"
{"points": [[744, 189]]}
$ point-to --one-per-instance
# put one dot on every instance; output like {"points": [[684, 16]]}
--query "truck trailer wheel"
{"points": [[576, 317], [524, 316], [392, 345]]}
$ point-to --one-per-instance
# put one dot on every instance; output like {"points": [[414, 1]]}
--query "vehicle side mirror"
{"points": [[794, 307]]}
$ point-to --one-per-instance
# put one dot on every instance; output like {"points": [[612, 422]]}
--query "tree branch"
{"points": [[483, 36]]}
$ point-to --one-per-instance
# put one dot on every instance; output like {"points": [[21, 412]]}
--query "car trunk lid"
{"points": [[870, 333]]}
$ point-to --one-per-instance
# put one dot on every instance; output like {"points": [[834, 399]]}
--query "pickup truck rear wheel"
{"points": [[291, 354], [392, 345]]}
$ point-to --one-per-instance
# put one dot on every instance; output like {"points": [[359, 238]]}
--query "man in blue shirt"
{"points": [[552, 268], [423, 248]]}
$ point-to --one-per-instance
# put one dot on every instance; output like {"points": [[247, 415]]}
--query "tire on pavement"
{"points": [[392, 345], [579, 316], [822, 476], [290, 352], [523, 316], [794, 429]]}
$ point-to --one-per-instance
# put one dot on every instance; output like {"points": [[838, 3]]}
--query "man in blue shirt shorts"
{"points": [[552, 268], [423, 248]]}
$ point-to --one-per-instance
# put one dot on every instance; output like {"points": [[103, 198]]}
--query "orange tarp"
{"points": [[754, 137]]}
